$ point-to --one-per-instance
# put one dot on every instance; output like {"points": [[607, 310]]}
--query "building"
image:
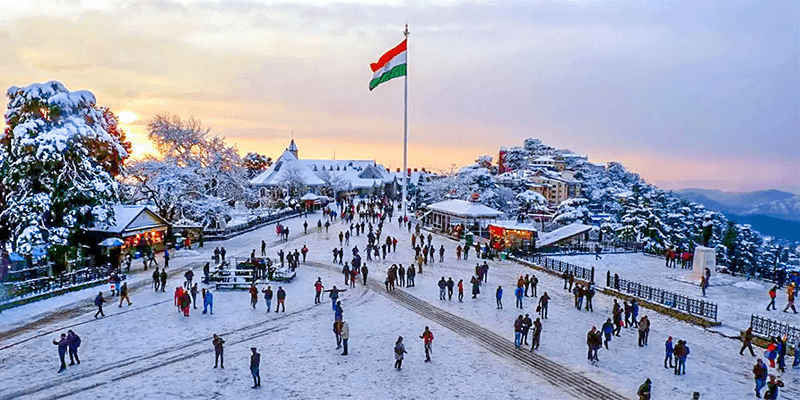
{"points": [[554, 187], [457, 216], [336, 178], [136, 230]]}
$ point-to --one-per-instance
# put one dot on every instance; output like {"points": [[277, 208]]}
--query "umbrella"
{"points": [[111, 242]]}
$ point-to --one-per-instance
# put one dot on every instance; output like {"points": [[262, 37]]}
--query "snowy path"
{"points": [[579, 385]]}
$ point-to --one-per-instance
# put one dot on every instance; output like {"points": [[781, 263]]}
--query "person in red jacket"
{"points": [[772, 294], [253, 295], [427, 338]]}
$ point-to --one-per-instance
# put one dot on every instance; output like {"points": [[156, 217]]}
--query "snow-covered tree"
{"points": [[573, 210], [334, 182], [58, 157], [516, 158], [198, 176], [256, 163]]}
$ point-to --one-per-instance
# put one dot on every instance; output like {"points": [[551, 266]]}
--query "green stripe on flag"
{"points": [[395, 72]]}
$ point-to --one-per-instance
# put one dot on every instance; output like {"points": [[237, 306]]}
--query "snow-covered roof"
{"points": [[511, 224], [532, 197], [276, 174], [309, 197], [129, 219], [292, 146], [543, 159], [464, 208], [550, 238]]}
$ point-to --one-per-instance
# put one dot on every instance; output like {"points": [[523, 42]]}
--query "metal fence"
{"points": [[580, 251], [673, 300], [586, 274], [212, 234], [10, 290], [769, 328]]}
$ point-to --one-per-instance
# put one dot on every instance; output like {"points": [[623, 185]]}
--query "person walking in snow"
{"points": [[219, 358], [318, 289], [518, 332], [593, 341], [442, 288], [681, 352], [450, 285], [790, 300], [345, 335], [73, 342], [460, 290], [208, 301], [634, 313], [164, 280], [542, 307], [644, 390], [526, 326], [747, 342], [536, 334], [399, 350], [427, 340], [281, 300], [364, 272], [123, 294], [668, 350], [253, 295], [644, 330], [499, 296], [334, 296], [98, 302], [255, 362], [268, 297], [63, 346], [518, 292], [156, 279], [193, 292], [772, 388], [760, 373], [607, 329], [772, 294]]}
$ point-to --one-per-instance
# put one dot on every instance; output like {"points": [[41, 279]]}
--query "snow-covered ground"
{"points": [[736, 297], [148, 350]]}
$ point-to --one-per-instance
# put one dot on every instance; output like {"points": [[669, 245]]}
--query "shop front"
{"points": [[508, 235], [139, 231]]}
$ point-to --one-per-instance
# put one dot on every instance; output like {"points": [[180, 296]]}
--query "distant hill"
{"points": [[771, 212], [769, 226], [772, 203]]}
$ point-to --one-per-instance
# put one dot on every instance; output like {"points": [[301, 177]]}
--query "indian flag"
{"points": [[391, 65]]}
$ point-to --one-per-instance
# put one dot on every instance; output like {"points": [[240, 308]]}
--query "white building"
{"points": [[341, 178]]}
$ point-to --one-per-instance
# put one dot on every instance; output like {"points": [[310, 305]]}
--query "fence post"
{"points": [[592, 275]]}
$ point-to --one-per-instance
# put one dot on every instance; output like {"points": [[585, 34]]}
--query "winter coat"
{"points": [[218, 342], [62, 344], [74, 341], [607, 328], [281, 294], [208, 299], [760, 371], [427, 337], [519, 292], [345, 333], [644, 391], [518, 325], [499, 293], [399, 350], [668, 348], [99, 300]]}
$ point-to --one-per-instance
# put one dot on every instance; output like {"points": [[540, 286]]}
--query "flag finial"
{"points": [[406, 32]]}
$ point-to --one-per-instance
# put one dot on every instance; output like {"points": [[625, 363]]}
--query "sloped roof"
{"points": [[550, 238], [276, 174], [464, 208], [510, 224], [131, 218]]}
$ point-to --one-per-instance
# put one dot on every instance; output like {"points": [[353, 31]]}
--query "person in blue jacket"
{"points": [[74, 341], [208, 301], [668, 353], [607, 329], [499, 297], [635, 313], [518, 293], [63, 345]]}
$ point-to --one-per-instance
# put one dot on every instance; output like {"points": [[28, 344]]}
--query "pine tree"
{"points": [[58, 155]]}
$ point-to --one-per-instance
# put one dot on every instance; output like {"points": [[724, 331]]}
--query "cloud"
{"points": [[658, 84]]}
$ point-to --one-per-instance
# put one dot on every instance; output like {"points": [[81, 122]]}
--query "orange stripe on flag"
{"points": [[388, 56]]}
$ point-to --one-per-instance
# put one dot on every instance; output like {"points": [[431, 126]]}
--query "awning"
{"points": [[111, 242]]}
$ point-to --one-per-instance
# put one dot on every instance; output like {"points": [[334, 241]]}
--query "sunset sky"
{"points": [[686, 93]]}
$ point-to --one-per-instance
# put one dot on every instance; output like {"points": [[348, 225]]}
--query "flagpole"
{"points": [[405, 131]]}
